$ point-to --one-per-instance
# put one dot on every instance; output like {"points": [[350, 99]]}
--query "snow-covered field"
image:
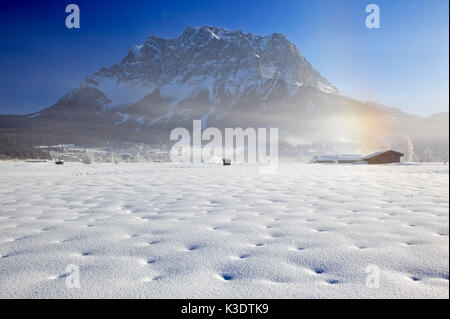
{"points": [[208, 231]]}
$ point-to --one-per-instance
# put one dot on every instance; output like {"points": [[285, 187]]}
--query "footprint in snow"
{"points": [[227, 277]]}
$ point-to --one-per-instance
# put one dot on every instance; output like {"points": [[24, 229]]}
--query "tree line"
{"points": [[16, 147]]}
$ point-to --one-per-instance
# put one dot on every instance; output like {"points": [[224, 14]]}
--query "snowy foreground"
{"points": [[208, 231]]}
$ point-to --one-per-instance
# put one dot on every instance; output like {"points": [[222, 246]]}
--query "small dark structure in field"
{"points": [[226, 162], [384, 157]]}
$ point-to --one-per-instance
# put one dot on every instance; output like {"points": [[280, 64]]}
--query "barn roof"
{"points": [[338, 157], [372, 155], [379, 153]]}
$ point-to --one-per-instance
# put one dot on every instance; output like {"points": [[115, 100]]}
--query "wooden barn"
{"points": [[385, 157]]}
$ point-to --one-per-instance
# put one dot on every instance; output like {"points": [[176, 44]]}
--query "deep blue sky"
{"points": [[403, 64]]}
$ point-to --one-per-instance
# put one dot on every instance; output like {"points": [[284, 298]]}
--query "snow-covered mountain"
{"points": [[226, 79], [228, 65]]}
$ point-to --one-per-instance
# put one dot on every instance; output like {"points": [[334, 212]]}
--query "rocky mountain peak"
{"points": [[227, 64]]}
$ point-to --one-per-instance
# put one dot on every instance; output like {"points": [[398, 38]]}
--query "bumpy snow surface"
{"points": [[208, 231]]}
